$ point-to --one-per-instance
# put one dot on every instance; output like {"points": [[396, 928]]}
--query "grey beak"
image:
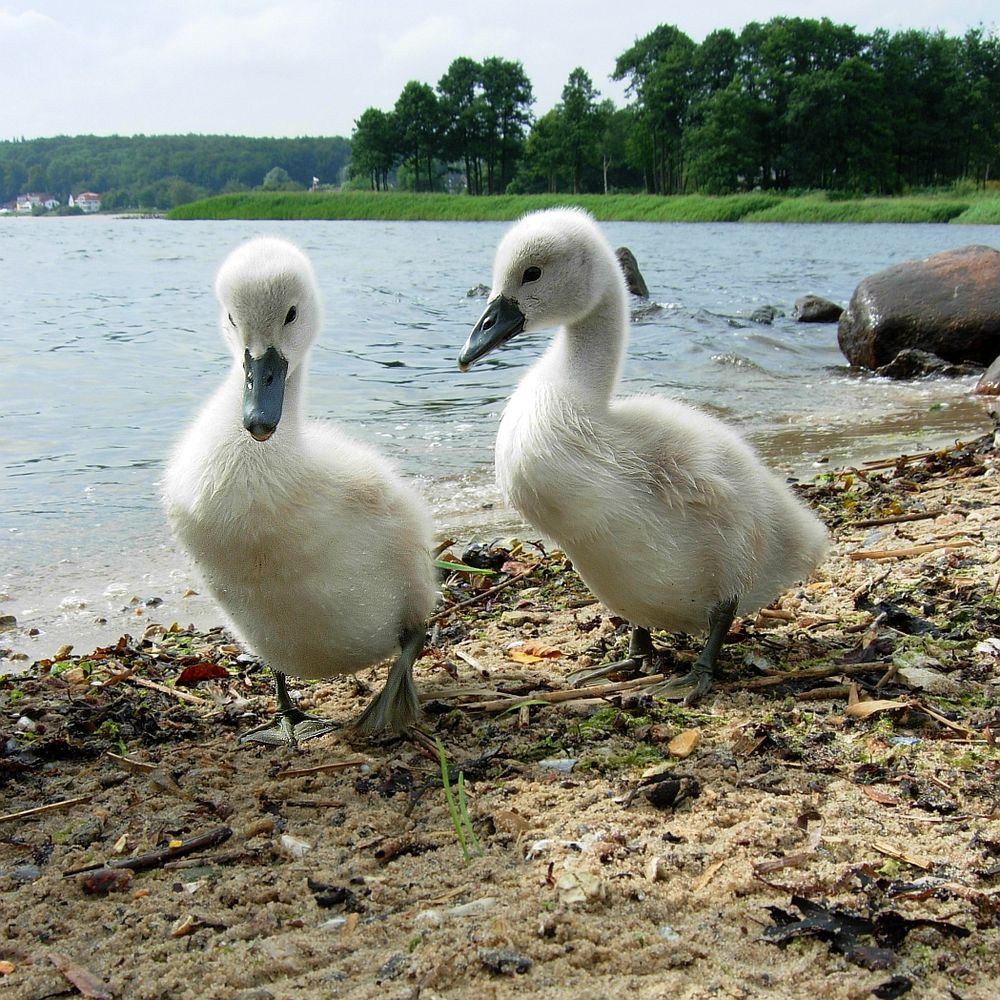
{"points": [[263, 392], [501, 321]]}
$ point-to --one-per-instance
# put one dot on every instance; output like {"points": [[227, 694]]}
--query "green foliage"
{"points": [[459, 809], [161, 171], [749, 207]]}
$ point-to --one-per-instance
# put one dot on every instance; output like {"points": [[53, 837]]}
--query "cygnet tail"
{"points": [[396, 706]]}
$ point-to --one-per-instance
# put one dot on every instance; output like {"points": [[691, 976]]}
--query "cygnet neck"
{"points": [[586, 356]]}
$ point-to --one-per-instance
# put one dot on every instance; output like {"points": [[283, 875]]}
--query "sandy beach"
{"points": [[824, 823]]}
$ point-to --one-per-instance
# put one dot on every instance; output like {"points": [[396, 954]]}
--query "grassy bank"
{"points": [[751, 207]]}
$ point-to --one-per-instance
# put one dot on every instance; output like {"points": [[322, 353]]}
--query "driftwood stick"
{"points": [[159, 857], [337, 765], [191, 699], [567, 694], [875, 522], [441, 615], [912, 550], [50, 807]]}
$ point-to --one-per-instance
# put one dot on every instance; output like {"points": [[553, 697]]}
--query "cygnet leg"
{"points": [[698, 682], [290, 725], [396, 706], [640, 657]]}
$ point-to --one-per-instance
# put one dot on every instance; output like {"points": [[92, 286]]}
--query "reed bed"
{"points": [[816, 207]]}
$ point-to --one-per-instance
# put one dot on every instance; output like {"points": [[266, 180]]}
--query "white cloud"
{"points": [[293, 67]]}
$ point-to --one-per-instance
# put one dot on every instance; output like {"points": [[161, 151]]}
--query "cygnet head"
{"points": [[270, 316], [551, 268]]}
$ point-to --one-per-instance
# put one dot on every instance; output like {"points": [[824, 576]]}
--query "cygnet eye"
{"points": [[290, 317], [531, 274]]}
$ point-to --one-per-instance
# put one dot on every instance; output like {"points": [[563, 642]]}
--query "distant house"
{"points": [[86, 201], [27, 203]]}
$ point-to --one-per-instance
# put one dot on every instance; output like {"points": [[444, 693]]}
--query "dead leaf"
{"points": [[863, 709], [534, 652], [883, 798], [83, 979], [917, 860], [197, 672]]}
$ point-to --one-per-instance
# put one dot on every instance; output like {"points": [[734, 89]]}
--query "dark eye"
{"points": [[531, 274], [232, 322], [292, 313]]}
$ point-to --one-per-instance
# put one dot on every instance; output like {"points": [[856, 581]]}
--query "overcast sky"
{"points": [[310, 67]]}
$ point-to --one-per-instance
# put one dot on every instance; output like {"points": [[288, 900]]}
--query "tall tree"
{"points": [[659, 68], [462, 119], [506, 113], [374, 144], [580, 124], [419, 121]]}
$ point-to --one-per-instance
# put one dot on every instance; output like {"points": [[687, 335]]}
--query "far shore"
{"points": [[972, 208]]}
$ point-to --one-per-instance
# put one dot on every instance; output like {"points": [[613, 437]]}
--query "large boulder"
{"points": [[947, 304]]}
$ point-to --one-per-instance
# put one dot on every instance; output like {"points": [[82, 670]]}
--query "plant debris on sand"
{"points": [[825, 823]]}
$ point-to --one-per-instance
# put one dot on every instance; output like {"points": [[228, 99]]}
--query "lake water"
{"points": [[109, 343]]}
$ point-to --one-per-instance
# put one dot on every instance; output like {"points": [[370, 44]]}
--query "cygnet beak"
{"points": [[501, 321], [263, 392]]}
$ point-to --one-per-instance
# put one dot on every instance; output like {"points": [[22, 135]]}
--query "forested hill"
{"points": [[165, 170]]}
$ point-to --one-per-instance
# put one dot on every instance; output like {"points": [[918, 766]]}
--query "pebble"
{"points": [[26, 873], [294, 846], [524, 618], [656, 869], [105, 880], [7, 621], [504, 961], [565, 764], [576, 887]]}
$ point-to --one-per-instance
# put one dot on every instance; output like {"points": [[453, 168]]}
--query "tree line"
{"points": [[161, 171], [794, 103]]}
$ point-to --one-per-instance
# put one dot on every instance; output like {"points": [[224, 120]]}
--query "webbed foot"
{"points": [[289, 728], [694, 685], [290, 725], [690, 688], [396, 706], [640, 658]]}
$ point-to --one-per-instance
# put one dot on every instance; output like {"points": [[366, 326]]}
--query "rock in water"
{"points": [[989, 384], [630, 268], [947, 304], [911, 363], [816, 309]]}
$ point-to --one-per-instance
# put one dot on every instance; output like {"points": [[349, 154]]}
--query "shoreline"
{"points": [[132, 585]]}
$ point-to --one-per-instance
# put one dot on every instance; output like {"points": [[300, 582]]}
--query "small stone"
{"points": [[7, 621], [524, 618], [683, 744], [656, 869], [26, 873], [580, 887], [563, 764], [394, 967], [295, 847], [504, 961], [105, 880]]}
